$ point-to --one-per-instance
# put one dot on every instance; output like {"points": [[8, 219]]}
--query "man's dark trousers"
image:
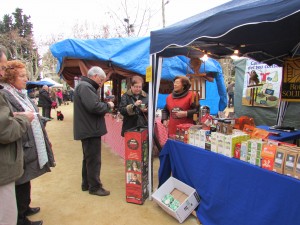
{"points": [[91, 163]]}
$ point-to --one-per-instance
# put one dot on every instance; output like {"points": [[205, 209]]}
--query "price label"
{"points": [[149, 74]]}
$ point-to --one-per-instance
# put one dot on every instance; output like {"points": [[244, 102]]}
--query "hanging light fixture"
{"points": [[204, 58], [235, 54]]}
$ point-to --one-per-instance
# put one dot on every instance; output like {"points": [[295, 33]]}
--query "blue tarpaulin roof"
{"points": [[132, 54]]}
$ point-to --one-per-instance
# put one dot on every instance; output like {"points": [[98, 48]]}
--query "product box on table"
{"points": [[186, 195], [297, 170], [192, 134], [214, 142], [279, 159], [136, 165], [290, 163], [268, 156]]}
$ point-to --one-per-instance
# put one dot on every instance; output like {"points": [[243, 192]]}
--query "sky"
{"points": [[58, 17]]}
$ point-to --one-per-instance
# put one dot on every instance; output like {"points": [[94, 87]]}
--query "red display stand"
{"points": [[136, 165]]}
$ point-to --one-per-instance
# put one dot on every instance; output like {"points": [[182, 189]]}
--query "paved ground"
{"points": [[59, 193]]}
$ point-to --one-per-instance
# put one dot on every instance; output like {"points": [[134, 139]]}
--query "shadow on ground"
{"points": [[59, 193]]}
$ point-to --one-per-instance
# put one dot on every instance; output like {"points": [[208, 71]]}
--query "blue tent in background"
{"points": [[34, 84], [128, 57]]}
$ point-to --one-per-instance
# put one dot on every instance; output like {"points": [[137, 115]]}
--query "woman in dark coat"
{"points": [[133, 105], [38, 155]]}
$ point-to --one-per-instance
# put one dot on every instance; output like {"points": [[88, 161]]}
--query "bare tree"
{"points": [[131, 19]]}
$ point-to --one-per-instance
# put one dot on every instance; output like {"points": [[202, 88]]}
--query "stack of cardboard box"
{"points": [[136, 165]]}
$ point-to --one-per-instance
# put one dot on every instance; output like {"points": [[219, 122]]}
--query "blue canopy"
{"points": [[33, 84], [131, 55], [265, 30]]}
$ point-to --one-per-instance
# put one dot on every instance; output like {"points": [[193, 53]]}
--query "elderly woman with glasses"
{"points": [[133, 105], [179, 107], [38, 155]]}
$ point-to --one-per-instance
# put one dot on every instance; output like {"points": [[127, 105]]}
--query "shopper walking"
{"points": [[59, 95], [89, 126], [45, 101], [230, 92]]}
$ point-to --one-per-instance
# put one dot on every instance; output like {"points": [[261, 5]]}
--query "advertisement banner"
{"points": [[261, 84]]}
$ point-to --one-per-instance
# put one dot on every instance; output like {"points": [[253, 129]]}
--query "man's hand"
{"points": [[111, 105]]}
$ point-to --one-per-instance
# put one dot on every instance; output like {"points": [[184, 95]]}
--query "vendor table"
{"points": [[283, 136], [113, 137], [232, 191]]}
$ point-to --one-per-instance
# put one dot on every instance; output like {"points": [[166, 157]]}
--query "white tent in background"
{"points": [[55, 84]]}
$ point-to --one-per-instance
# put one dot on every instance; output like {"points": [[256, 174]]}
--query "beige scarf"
{"points": [[22, 98]]}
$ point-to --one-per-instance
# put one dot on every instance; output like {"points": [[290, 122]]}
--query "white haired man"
{"points": [[89, 126]]}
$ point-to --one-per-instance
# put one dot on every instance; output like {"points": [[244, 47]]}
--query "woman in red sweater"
{"points": [[179, 107]]}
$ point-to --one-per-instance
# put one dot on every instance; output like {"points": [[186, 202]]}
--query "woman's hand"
{"points": [[138, 103], [181, 114], [28, 114]]}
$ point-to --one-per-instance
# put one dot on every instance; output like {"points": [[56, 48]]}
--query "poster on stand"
{"points": [[261, 84], [290, 91]]}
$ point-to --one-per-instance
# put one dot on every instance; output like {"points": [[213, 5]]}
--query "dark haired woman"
{"points": [[133, 105], [179, 107]]}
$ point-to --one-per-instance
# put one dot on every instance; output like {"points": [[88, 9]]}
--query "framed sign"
{"points": [[290, 87]]}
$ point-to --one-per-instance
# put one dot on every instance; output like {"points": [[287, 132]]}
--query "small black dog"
{"points": [[60, 116]]}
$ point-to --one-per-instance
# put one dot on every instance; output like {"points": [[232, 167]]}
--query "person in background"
{"points": [[179, 106], [45, 101], [59, 95], [89, 126], [12, 127], [230, 92], [53, 99], [38, 155], [52, 94], [71, 93], [133, 105]]}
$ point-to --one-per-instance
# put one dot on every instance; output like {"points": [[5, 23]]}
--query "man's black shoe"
{"points": [[32, 211], [40, 222], [84, 188], [28, 222], [100, 192]]}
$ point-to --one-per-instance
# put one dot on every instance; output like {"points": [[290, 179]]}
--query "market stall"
{"points": [[122, 58], [232, 191], [266, 31]]}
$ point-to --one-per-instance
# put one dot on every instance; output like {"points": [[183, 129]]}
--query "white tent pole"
{"points": [[150, 125], [153, 96]]}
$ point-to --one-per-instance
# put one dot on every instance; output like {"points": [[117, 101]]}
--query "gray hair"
{"points": [[96, 70]]}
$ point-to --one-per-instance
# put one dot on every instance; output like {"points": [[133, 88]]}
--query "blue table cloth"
{"points": [[283, 136], [232, 192]]}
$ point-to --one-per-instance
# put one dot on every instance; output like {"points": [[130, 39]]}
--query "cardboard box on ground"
{"points": [[136, 165], [186, 195]]}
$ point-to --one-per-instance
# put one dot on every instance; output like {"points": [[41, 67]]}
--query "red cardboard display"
{"points": [[136, 165]]}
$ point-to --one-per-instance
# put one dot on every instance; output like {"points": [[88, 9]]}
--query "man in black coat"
{"points": [[89, 126], [45, 101]]}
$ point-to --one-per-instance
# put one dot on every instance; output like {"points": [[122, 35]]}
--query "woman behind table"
{"points": [[179, 106], [133, 105], [38, 155]]}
